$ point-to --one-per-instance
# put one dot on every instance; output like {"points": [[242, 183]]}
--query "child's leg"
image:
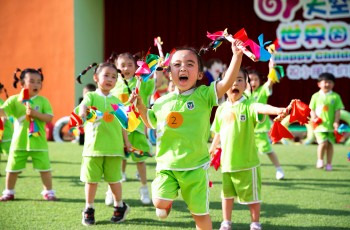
{"points": [[254, 212], [274, 159], [227, 207], [46, 178], [330, 152], [90, 193], [11, 179], [124, 166], [141, 168], [321, 149], [203, 222], [116, 189]]}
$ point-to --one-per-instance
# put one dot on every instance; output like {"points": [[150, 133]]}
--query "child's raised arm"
{"points": [[2, 113], [232, 70]]}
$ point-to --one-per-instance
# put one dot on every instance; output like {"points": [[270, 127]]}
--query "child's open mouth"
{"points": [[235, 91], [183, 78]]}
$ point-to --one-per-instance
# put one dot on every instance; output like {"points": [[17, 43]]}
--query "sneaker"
{"points": [[7, 197], [319, 164], [162, 213], [255, 226], [226, 225], [328, 167], [120, 213], [88, 217], [123, 177], [279, 174], [144, 195], [50, 197], [109, 200]]}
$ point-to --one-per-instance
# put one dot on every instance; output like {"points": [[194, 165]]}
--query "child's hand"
{"points": [[335, 125], [234, 47], [127, 145], [31, 112], [82, 112]]}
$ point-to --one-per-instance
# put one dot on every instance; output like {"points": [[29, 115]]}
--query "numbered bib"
{"points": [[174, 120]]}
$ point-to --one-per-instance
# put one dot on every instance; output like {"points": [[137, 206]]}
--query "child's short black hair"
{"points": [[326, 76]]}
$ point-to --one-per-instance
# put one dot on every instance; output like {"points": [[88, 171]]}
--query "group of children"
{"points": [[181, 119]]}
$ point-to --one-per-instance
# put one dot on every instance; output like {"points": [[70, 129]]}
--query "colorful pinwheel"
{"points": [[257, 53], [33, 126], [126, 116], [276, 73]]}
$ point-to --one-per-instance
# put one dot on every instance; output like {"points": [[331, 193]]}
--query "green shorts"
{"points": [[5, 147], [263, 143], [194, 186], [324, 136], [243, 185], [17, 160], [140, 142], [94, 168]]}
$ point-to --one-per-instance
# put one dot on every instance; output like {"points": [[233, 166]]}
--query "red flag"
{"points": [[215, 161], [278, 132], [300, 112], [241, 35], [338, 136]]}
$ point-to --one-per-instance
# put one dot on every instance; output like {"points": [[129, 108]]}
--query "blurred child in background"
{"points": [[37, 110], [325, 108]]}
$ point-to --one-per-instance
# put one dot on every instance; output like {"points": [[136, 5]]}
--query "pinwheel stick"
{"points": [[243, 48], [137, 88]]}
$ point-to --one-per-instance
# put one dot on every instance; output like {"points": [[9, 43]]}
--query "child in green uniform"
{"points": [[325, 105], [24, 145], [260, 94], [181, 119], [104, 145], [5, 141], [234, 125], [126, 82]]}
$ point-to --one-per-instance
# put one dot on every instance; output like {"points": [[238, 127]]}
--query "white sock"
{"points": [[120, 204], [226, 222], [89, 205], [8, 192], [279, 168], [257, 224]]}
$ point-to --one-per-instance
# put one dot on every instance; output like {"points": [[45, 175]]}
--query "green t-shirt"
{"points": [[104, 136], [21, 139], [182, 122], [261, 95], [8, 128], [235, 123], [325, 106], [146, 90]]}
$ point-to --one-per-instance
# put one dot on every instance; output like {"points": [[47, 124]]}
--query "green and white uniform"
{"points": [[240, 164], [137, 138], [262, 128], [23, 145], [7, 135], [182, 124], [325, 106], [103, 141]]}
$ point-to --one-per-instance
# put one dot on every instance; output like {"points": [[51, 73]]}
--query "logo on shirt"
{"points": [[190, 105], [37, 108], [242, 117]]}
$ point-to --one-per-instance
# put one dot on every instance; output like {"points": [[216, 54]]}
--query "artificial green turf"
{"points": [[308, 198]]}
